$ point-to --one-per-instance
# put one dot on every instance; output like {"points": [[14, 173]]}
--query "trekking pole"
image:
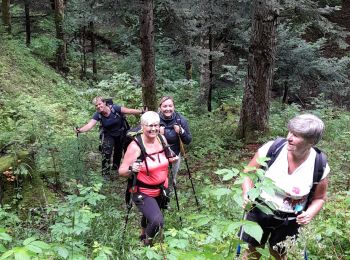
{"points": [[129, 204], [77, 131], [175, 191], [238, 251], [183, 152]]}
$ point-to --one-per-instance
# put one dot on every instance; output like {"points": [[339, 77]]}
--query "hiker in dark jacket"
{"points": [[292, 171], [112, 134], [174, 127]]}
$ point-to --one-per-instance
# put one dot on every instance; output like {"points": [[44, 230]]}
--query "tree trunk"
{"points": [[83, 53], [61, 49], [27, 15], [93, 50], [261, 60], [6, 15], [210, 70], [204, 81], [188, 59], [148, 74], [285, 93]]}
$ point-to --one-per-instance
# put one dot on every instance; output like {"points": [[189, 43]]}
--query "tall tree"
{"points": [[201, 29], [93, 49], [148, 74], [6, 15], [61, 49], [27, 18], [261, 61]]}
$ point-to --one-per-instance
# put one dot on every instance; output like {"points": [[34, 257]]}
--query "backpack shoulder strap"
{"points": [[178, 119], [319, 167], [275, 149], [161, 140], [144, 154]]}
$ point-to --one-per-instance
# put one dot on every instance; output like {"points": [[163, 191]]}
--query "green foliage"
{"points": [[301, 67], [32, 248], [74, 219], [44, 46]]}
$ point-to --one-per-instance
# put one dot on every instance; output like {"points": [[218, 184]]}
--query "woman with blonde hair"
{"points": [[112, 134]]}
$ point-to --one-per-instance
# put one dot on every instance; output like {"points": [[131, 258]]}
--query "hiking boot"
{"points": [[147, 242]]}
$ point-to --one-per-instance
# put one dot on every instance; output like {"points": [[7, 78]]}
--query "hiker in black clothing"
{"points": [[174, 127], [112, 134], [299, 197]]}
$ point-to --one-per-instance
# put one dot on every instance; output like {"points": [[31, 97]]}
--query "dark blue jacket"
{"points": [[170, 134]]}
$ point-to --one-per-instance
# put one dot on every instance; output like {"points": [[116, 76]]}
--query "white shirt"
{"points": [[296, 186]]}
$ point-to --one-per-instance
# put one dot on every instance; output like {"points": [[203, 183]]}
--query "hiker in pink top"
{"points": [[149, 156]]}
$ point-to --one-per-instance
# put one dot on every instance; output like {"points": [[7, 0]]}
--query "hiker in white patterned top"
{"points": [[300, 171]]}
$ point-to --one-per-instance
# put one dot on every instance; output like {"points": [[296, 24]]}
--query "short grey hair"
{"points": [[307, 126], [149, 117]]}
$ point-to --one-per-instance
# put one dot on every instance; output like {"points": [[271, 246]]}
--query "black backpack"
{"points": [[132, 181], [320, 163]]}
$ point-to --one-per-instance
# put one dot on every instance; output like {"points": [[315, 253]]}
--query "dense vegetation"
{"points": [[54, 202]]}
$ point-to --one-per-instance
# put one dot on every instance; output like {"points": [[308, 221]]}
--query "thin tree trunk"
{"points": [[261, 61], [204, 79], [188, 59], [148, 74], [93, 50], [27, 17], [61, 49], [83, 53], [210, 70], [285, 93], [6, 15]]}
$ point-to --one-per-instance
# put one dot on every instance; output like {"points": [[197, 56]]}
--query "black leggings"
{"points": [[152, 217], [111, 145]]}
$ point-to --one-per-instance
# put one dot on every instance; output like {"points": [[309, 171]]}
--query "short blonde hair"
{"points": [[97, 99], [150, 117]]}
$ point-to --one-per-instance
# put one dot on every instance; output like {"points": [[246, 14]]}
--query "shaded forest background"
{"points": [[239, 70]]}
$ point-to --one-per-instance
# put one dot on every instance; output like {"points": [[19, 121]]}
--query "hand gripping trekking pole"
{"points": [[183, 152], [129, 203]]}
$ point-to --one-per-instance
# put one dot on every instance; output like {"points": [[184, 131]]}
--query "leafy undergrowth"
{"points": [[38, 109]]}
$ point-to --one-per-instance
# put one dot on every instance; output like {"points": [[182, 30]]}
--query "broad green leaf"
{"points": [[34, 249], [2, 248], [228, 176], [253, 194], [63, 252], [101, 256], [222, 171], [151, 254], [40, 244], [221, 192], [178, 243], [29, 240], [22, 255], [253, 229], [5, 236], [7, 254]]}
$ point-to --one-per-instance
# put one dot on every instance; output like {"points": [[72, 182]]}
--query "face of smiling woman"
{"points": [[100, 105], [297, 144], [167, 108], [151, 129]]}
